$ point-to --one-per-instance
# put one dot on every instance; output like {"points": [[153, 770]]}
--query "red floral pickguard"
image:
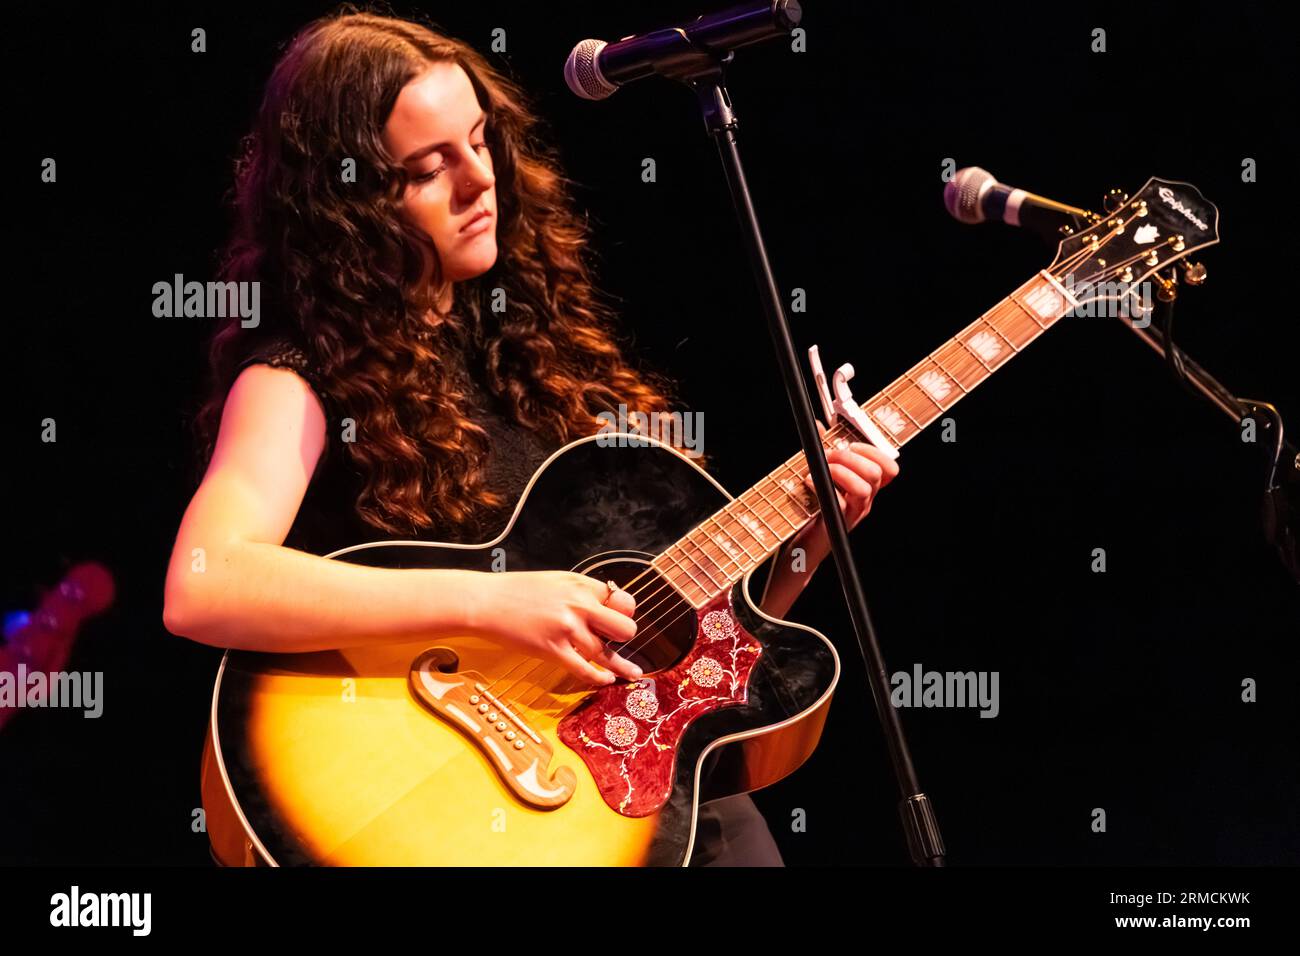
{"points": [[628, 733]]}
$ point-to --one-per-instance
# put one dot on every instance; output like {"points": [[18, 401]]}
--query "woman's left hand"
{"points": [[859, 471]]}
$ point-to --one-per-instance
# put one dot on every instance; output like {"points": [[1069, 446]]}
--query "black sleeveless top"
{"points": [[327, 519]]}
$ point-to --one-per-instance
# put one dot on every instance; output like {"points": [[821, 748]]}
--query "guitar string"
{"points": [[1010, 309]]}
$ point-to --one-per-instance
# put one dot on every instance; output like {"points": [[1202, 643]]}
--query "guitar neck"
{"points": [[749, 529]]}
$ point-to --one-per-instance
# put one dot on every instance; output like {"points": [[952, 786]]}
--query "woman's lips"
{"points": [[477, 225]]}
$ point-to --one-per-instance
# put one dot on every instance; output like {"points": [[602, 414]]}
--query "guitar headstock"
{"points": [[1112, 259]]}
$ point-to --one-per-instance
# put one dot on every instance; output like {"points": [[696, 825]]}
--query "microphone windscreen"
{"points": [[582, 72], [963, 194]]}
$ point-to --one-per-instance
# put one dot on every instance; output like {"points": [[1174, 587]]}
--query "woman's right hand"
{"points": [[561, 617]]}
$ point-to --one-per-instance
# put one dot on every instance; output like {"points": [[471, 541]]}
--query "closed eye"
{"points": [[433, 174]]}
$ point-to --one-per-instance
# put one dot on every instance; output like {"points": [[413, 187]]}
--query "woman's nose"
{"points": [[479, 175]]}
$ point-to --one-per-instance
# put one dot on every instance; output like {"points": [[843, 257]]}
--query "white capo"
{"points": [[841, 404]]}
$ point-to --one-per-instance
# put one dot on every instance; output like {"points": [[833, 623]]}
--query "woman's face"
{"points": [[436, 131]]}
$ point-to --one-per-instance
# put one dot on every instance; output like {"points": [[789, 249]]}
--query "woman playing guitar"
{"points": [[430, 334]]}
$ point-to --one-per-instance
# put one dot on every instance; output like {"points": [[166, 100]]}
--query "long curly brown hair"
{"points": [[340, 269]]}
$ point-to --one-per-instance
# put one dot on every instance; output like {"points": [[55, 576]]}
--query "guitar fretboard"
{"points": [[736, 539]]}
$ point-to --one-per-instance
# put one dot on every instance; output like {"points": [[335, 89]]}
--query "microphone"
{"points": [[595, 69], [973, 196]]}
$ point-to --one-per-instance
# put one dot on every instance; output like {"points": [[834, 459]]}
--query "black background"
{"points": [[1118, 690]]}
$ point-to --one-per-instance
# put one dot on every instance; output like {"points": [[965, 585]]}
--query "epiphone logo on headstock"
{"points": [[1167, 194]]}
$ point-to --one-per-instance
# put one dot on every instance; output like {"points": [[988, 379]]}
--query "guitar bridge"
{"points": [[520, 755]]}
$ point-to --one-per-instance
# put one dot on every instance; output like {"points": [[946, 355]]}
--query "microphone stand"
{"points": [[702, 70], [1280, 510]]}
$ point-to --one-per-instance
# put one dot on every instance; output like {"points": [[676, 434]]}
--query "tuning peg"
{"points": [[1193, 273], [1168, 288], [1114, 199]]}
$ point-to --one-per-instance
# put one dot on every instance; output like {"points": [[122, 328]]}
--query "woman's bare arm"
{"points": [[232, 583]]}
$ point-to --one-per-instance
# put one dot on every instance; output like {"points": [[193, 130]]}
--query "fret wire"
{"points": [[998, 333], [791, 498], [956, 345], [1028, 311], [1017, 325], [899, 405], [1010, 308], [747, 530], [849, 433], [1001, 358], [762, 532], [1032, 329], [759, 515], [952, 377], [987, 367], [976, 368], [704, 588], [797, 475], [712, 560], [665, 571], [958, 364], [757, 510], [924, 391], [956, 373], [681, 588], [952, 398], [871, 403], [779, 489], [966, 390], [902, 398], [778, 486], [1044, 322], [782, 496], [799, 484], [776, 510], [704, 546], [1018, 313], [694, 579], [759, 488], [723, 548]]}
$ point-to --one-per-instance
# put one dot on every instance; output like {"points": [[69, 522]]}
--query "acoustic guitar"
{"points": [[460, 752]]}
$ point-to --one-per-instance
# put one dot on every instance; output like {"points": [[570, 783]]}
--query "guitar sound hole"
{"points": [[666, 624]]}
